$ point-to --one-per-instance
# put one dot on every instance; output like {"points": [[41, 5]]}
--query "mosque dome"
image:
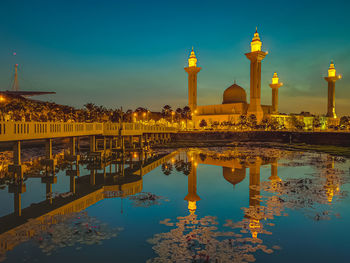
{"points": [[234, 94], [233, 176]]}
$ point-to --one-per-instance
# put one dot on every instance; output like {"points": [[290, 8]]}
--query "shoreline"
{"points": [[330, 149]]}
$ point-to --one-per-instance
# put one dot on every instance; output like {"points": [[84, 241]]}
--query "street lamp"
{"points": [[135, 115]]}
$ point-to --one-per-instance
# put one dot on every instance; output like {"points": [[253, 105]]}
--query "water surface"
{"points": [[236, 204]]}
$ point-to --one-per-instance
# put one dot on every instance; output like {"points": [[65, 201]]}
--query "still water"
{"points": [[235, 204]]}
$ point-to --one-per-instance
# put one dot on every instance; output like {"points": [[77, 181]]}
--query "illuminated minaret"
{"points": [[331, 79], [192, 71], [275, 85], [192, 196], [255, 56]]}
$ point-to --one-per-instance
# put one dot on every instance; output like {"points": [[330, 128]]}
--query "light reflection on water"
{"points": [[241, 204]]}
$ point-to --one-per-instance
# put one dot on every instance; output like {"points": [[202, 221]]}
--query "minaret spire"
{"points": [[256, 55], [192, 71], [331, 79], [275, 85]]}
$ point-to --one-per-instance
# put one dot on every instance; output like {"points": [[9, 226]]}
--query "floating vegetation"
{"points": [[198, 240], [77, 230], [145, 199], [52, 233]]}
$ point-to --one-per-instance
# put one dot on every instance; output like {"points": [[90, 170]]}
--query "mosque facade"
{"points": [[234, 99]]}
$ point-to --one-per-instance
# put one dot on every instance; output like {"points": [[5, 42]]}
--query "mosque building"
{"points": [[234, 100]]}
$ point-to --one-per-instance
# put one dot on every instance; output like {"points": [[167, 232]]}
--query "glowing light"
{"points": [[192, 61], [144, 114], [331, 70], [256, 44], [173, 113], [135, 114], [2, 99], [254, 226], [275, 78], [192, 206]]}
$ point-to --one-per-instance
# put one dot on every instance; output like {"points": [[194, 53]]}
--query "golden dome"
{"points": [[234, 94], [233, 176]]}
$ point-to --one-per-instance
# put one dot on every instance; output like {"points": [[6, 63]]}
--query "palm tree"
{"points": [[166, 111], [178, 113], [186, 114]]}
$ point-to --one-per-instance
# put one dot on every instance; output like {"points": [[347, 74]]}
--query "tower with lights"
{"points": [[255, 56], [192, 71], [275, 85], [331, 79]]}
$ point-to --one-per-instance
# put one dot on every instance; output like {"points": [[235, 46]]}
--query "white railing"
{"points": [[12, 131]]}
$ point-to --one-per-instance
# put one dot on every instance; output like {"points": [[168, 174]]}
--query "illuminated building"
{"points": [[234, 103], [255, 57], [331, 79], [275, 85], [192, 71]]}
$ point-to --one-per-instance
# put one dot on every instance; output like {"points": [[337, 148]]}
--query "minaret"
{"points": [[331, 79], [192, 196], [255, 56], [15, 81], [275, 85], [192, 71]]}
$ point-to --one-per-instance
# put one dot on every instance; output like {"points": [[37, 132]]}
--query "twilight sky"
{"points": [[132, 53]]}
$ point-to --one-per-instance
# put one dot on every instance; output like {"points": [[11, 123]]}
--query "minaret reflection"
{"points": [[254, 214], [192, 196], [332, 181], [274, 178]]}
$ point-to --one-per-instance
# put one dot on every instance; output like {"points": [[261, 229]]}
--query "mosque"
{"points": [[234, 101]]}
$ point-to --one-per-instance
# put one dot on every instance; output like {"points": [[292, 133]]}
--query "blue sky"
{"points": [[132, 53]]}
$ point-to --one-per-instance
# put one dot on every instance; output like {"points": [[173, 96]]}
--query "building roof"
{"points": [[234, 94]]}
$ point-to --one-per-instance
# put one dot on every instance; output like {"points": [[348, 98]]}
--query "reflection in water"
{"points": [[195, 239], [59, 220]]}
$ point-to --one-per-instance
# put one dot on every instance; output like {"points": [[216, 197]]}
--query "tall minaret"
{"points": [[275, 85], [255, 56], [192, 71], [331, 79]]}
